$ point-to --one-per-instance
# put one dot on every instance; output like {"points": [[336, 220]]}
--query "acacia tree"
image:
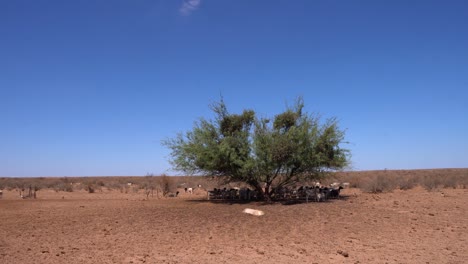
{"points": [[267, 154]]}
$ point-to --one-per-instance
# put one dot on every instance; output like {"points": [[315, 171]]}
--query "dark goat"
{"points": [[173, 194], [335, 193]]}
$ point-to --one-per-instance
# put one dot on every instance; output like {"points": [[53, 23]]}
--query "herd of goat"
{"points": [[316, 193]]}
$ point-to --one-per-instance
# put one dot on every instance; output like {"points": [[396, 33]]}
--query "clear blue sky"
{"points": [[92, 87]]}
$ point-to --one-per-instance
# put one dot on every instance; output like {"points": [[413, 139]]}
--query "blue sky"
{"points": [[92, 87]]}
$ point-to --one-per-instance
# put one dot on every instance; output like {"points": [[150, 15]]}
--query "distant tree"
{"points": [[267, 154]]}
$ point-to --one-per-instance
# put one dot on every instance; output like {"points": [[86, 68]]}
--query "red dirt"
{"points": [[414, 226]]}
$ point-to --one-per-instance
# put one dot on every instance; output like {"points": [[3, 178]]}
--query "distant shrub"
{"points": [[167, 184], [450, 182], [407, 182], [90, 188], [431, 182], [464, 181], [114, 185], [68, 188], [62, 186], [100, 183], [378, 184]]}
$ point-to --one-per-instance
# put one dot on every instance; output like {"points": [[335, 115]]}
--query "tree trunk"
{"points": [[267, 192], [263, 193]]}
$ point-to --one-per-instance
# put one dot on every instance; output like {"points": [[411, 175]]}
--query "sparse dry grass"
{"points": [[414, 226], [389, 180], [150, 184], [367, 181]]}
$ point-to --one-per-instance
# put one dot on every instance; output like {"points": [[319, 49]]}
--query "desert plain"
{"points": [[110, 226]]}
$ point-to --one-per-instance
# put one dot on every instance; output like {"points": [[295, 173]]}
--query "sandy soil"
{"points": [[414, 226]]}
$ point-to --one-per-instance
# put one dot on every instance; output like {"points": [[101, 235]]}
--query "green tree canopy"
{"points": [[267, 155]]}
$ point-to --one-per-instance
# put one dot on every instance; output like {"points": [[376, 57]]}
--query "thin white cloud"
{"points": [[189, 6]]}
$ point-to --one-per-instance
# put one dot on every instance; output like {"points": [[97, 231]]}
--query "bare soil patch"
{"points": [[414, 226]]}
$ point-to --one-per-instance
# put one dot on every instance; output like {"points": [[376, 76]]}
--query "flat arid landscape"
{"points": [[419, 225], [204, 131]]}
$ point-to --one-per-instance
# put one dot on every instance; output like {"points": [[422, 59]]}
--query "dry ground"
{"points": [[414, 226]]}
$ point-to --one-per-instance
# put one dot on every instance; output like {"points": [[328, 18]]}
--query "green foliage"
{"points": [[295, 148]]}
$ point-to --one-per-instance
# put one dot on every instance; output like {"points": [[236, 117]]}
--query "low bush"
{"points": [[378, 184], [90, 188], [406, 183], [167, 184]]}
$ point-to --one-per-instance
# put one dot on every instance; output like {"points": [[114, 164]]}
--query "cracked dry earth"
{"points": [[414, 226]]}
